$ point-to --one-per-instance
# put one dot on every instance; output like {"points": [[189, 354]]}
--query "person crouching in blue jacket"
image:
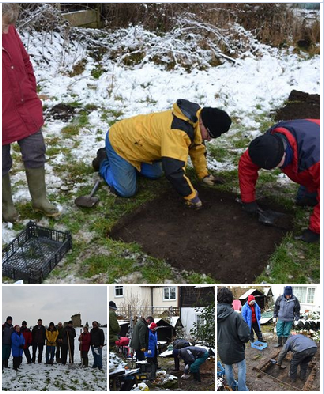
{"points": [[251, 313], [152, 351], [17, 344]]}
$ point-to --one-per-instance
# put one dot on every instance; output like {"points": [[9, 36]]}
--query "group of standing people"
{"points": [[59, 341], [145, 343], [234, 330]]}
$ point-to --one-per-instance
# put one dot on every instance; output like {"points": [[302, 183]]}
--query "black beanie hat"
{"points": [[215, 120], [24, 323], [9, 318], [112, 305], [267, 150]]}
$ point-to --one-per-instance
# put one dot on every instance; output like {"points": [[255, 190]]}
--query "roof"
{"points": [[265, 290]]}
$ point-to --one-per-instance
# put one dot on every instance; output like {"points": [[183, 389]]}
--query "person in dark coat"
{"points": [[251, 313], [38, 340], [68, 343], [59, 341], [232, 334], [139, 341], [152, 350], [28, 340], [17, 344], [114, 328], [294, 147], [22, 119], [85, 343], [303, 349], [97, 343], [194, 357], [286, 311], [7, 330], [178, 343]]}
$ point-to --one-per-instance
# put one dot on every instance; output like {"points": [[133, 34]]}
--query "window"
{"points": [[310, 295], [304, 294], [200, 321], [119, 291], [169, 293]]}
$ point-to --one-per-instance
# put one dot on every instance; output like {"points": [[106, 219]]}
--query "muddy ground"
{"points": [[274, 379], [207, 372], [219, 240]]}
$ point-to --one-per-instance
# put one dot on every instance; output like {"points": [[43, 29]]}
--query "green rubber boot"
{"points": [[9, 213], [37, 188]]}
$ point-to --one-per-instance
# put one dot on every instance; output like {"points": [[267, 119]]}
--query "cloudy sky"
{"points": [[54, 303]]}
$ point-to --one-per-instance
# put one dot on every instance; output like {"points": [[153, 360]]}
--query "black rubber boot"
{"points": [[279, 342], [284, 340], [101, 156]]}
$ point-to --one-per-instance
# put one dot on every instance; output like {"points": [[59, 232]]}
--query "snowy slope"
{"points": [[257, 83]]}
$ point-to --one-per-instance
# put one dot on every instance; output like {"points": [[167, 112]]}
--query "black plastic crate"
{"points": [[33, 254]]}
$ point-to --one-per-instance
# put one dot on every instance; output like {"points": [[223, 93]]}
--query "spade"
{"points": [[89, 200]]}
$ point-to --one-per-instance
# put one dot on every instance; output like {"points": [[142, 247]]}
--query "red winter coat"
{"points": [[304, 139], [27, 335], [22, 113], [86, 341]]}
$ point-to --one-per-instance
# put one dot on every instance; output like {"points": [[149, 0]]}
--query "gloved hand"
{"points": [[149, 352], [143, 349], [186, 370], [194, 202], [274, 320], [250, 207], [211, 180], [309, 236]]}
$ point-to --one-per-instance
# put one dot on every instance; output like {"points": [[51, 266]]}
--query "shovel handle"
{"points": [[95, 188]]}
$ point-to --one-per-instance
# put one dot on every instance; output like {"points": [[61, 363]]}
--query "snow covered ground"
{"points": [[256, 83], [57, 377]]}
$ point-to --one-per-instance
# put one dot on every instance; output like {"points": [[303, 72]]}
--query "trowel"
{"points": [[269, 217], [273, 361]]}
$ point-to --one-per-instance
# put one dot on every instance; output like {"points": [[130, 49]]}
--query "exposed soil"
{"points": [[207, 374], [274, 379], [300, 105], [62, 112], [219, 240]]}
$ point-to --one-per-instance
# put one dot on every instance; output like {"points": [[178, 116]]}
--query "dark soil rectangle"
{"points": [[219, 240]]}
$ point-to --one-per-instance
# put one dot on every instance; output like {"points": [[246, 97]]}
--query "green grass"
{"points": [[98, 258]]}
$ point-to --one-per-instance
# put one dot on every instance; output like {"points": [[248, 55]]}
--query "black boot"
{"points": [[101, 156], [284, 340], [279, 342]]}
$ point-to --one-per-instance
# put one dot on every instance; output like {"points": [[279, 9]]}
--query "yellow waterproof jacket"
{"points": [[168, 136], [51, 337]]}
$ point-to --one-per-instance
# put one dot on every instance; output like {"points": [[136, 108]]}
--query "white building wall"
{"points": [[131, 294], [158, 297], [188, 317], [278, 290]]}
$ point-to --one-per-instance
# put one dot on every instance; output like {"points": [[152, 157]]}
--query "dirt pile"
{"points": [[300, 105]]}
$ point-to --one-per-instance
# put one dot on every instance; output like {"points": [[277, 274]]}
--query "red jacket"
{"points": [[27, 335], [303, 136], [86, 341], [22, 113]]}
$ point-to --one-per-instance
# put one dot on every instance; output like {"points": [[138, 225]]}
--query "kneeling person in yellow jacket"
{"points": [[160, 141]]}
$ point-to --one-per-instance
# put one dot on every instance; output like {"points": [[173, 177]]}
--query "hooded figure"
{"points": [[251, 313], [232, 334], [286, 311], [152, 350]]}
